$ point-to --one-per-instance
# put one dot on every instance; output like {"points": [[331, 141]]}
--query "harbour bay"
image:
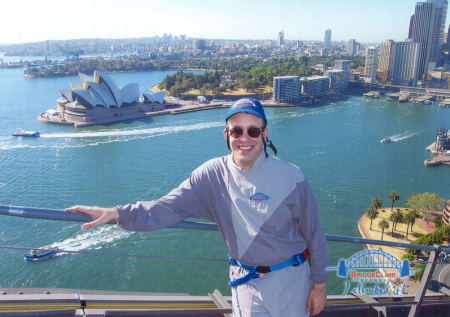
{"points": [[336, 144]]}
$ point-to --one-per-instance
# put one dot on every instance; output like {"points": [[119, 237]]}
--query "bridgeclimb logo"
{"points": [[373, 272]]}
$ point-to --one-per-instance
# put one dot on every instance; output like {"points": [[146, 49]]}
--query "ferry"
{"points": [[25, 133], [42, 254], [386, 140]]}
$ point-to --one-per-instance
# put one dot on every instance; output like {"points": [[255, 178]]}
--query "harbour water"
{"points": [[336, 144]]}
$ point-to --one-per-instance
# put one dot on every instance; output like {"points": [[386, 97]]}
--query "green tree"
{"points": [[410, 219], [383, 224], [438, 222], [425, 203], [396, 217], [372, 213], [377, 202], [418, 274], [437, 237], [393, 196]]}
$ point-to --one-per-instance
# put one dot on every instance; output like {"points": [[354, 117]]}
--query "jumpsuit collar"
{"points": [[257, 166]]}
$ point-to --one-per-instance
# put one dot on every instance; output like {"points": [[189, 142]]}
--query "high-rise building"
{"points": [[286, 89], [337, 80], [281, 38], [370, 67], [386, 60], [406, 63], [427, 28], [315, 86], [351, 47], [344, 65], [327, 38], [199, 44]]}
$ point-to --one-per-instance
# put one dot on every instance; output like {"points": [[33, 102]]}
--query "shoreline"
{"points": [[170, 108], [365, 232]]}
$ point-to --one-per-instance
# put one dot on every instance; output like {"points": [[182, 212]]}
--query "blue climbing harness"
{"points": [[254, 271]]}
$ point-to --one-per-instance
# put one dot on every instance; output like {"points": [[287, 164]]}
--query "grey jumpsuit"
{"points": [[265, 216]]}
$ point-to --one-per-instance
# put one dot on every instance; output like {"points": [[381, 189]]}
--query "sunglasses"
{"points": [[253, 132]]}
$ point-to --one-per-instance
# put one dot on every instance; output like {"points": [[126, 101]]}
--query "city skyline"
{"points": [[365, 21]]}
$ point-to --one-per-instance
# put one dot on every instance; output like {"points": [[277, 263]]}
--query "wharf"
{"points": [[142, 111], [442, 158]]}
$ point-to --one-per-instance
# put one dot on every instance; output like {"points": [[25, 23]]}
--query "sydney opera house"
{"points": [[98, 99]]}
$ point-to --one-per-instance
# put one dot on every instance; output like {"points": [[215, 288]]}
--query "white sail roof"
{"points": [[100, 90]]}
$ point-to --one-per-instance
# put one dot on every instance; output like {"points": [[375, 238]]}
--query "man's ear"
{"points": [[225, 133], [265, 133]]}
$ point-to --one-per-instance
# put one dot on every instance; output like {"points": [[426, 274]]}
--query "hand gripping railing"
{"points": [[58, 214]]}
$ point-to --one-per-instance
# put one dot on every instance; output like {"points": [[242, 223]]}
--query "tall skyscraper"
{"points": [[327, 38], [371, 64], [427, 28], [351, 47], [406, 63], [386, 60], [281, 38], [344, 65]]}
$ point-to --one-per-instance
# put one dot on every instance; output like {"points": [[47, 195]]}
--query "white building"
{"points": [[406, 64], [386, 59], [99, 91], [154, 96], [370, 68], [286, 89], [281, 38], [327, 38], [427, 28], [315, 86], [351, 47], [337, 80], [344, 65]]}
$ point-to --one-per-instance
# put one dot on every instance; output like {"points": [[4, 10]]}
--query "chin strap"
{"points": [[268, 143]]}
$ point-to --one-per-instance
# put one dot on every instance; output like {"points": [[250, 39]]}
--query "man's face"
{"points": [[245, 150]]}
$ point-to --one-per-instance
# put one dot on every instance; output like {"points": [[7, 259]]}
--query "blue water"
{"points": [[337, 146]]}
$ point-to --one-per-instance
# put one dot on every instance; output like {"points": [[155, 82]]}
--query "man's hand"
{"points": [[317, 299], [100, 215]]}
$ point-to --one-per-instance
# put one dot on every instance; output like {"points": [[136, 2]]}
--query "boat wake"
{"points": [[119, 132], [93, 239], [94, 138], [402, 136]]}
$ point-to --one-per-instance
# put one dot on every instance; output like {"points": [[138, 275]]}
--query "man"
{"points": [[264, 210]]}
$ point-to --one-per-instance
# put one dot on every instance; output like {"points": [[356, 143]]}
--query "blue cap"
{"points": [[247, 105]]}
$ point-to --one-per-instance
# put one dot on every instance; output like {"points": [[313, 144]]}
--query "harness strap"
{"points": [[296, 260]]}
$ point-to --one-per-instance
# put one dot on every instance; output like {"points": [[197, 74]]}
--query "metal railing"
{"points": [[368, 302]]}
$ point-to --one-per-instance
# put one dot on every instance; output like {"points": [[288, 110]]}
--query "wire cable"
{"points": [[157, 257]]}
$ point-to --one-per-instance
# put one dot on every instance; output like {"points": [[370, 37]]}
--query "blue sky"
{"points": [[365, 20]]}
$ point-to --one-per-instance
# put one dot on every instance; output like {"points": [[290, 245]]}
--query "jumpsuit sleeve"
{"points": [[313, 233], [186, 201]]}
